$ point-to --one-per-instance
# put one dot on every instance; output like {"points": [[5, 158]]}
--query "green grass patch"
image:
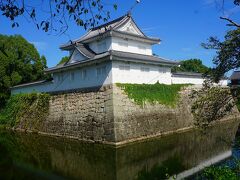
{"points": [[153, 93], [221, 173], [22, 106]]}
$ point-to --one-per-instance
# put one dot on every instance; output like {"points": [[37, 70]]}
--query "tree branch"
{"points": [[232, 23]]}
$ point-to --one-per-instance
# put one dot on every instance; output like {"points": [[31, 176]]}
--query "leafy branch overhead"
{"points": [[230, 21], [228, 53], [49, 15]]}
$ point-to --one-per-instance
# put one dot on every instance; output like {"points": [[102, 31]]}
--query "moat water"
{"points": [[32, 156]]}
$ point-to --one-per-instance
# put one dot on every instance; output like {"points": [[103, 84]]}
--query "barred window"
{"points": [[124, 67], [72, 76], [83, 74], [162, 70], [145, 69], [101, 71]]}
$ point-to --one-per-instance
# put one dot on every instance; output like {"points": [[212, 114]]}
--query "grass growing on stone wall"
{"points": [[24, 106], [153, 93]]}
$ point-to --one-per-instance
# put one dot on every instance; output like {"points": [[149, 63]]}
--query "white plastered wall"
{"points": [[101, 45], [136, 76], [187, 80], [119, 44], [194, 80]]}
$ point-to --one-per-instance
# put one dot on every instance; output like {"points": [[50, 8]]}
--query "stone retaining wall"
{"points": [[133, 121], [107, 115], [83, 115]]}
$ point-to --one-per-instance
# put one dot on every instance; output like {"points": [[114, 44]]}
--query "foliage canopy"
{"points": [[20, 63], [191, 65], [228, 53], [211, 103], [63, 60]]}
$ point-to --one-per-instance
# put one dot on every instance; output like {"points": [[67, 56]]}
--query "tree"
{"points": [[191, 65], [228, 53], [56, 13], [20, 63], [63, 60], [210, 104]]}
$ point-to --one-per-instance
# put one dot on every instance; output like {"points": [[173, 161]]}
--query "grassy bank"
{"points": [[23, 106], [153, 93]]}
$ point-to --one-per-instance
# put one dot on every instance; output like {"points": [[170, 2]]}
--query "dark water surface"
{"points": [[32, 156]]}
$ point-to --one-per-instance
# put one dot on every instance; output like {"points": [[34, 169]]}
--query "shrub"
{"points": [[34, 105]]}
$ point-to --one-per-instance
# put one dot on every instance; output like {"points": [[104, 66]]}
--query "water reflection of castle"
{"points": [[71, 159]]}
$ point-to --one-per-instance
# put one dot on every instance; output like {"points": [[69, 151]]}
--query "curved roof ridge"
{"points": [[109, 23], [120, 23]]}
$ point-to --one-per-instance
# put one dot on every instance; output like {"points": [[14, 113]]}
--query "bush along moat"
{"points": [[34, 106]]}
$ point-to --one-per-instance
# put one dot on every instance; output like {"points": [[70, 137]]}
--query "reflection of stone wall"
{"points": [[51, 156], [108, 115], [192, 148]]}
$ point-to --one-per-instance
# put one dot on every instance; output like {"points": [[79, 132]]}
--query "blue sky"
{"points": [[182, 27]]}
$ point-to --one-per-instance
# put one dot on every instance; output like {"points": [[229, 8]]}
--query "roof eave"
{"points": [[30, 84], [77, 64], [114, 33], [136, 37], [144, 60], [66, 47]]}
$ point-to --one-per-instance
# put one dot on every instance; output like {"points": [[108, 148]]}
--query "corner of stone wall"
{"points": [[86, 115]]}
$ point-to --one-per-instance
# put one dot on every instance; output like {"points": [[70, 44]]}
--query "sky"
{"points": [[182, 27]]}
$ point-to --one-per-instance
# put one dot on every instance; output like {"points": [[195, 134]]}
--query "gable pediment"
{"points": [[130, 27], [76, 56]]}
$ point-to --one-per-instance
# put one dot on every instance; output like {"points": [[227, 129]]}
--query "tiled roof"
{"points": [[109, 29], [193, 74], [117, 56], [235, 75], [99, 30], [85, 50], [126, 56], [31, 83]]}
